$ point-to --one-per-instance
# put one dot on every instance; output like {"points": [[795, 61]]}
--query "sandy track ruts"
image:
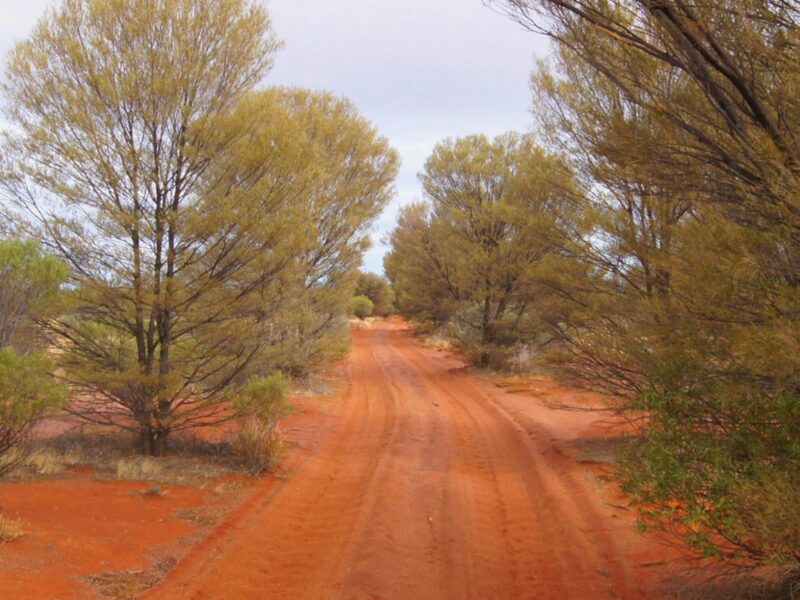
{"points": [[426, 486]]}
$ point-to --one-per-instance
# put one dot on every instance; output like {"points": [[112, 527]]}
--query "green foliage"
{"points": [[260, 405], [264, 398], [472, 256], [361, 306], [377, 289], [27, 390], [682, 297], [214, 231], [29, 289], [731, 495]]}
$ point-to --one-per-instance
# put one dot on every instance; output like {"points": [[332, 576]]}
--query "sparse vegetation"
{"points": [[260, 405], [183, 238], [10, 530]]}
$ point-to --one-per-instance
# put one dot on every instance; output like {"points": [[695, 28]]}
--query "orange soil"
{"points": [[74, 528], [428, 482], [78, 527]]}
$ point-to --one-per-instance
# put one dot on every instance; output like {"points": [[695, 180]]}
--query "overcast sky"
{"points": [[420, 70]]}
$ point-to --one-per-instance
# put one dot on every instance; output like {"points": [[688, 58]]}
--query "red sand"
{"points": [[430, 483], [421, 481], [78, 527]]}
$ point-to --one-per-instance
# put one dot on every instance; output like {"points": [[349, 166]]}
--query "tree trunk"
{"points": [[152, 437], [159, 443], [146, 441]]}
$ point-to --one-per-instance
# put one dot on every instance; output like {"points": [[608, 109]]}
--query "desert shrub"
{"points": [[726, 483], [27, 390], [139, 468], [258, 445], [9, 529], [44, 461], [361, 306], [260, 406]]}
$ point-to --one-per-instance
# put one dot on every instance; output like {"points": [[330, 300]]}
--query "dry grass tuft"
{"points": [[131, 583], [44, 461], [201, 515], [139, 468], [259, 445], [10, 530]]}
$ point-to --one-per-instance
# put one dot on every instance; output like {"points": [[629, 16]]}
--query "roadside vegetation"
{"points": [[361, 307], [29, 291], [178, 239], [180, 243], [644, 246]]}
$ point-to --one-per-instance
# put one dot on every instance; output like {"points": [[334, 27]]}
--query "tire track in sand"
{"points": [[425, 487]]}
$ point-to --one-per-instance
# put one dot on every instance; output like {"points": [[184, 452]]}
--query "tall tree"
{"points": [[496, 207], [715, 352], [329, 174], [206, 225]]}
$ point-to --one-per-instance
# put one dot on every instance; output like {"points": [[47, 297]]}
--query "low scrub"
{"points": [[260, 407], [140, 468], [259, 445], [10, 530], [43, 461], [27, 391]]}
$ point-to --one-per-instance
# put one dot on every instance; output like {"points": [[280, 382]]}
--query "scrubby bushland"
{"points": [[471, 255], [682, 300], [361, 307], [213, 231]]}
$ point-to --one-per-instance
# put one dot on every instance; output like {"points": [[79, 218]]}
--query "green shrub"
{"points": [[378, 290], [27, 390], [260, 406], [29, 289], [723, 473], [361, 306]]}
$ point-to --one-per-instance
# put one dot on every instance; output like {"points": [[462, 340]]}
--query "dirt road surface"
{"points": [[429, 483]]}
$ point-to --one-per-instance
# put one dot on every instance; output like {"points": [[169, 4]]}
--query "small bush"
{"points": [[260, 406], [10, 530], [378, 290], [259, 445], [361, 307], [27, 390]]}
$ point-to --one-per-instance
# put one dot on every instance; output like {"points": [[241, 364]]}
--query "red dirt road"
{"points": [[429, 483]]}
